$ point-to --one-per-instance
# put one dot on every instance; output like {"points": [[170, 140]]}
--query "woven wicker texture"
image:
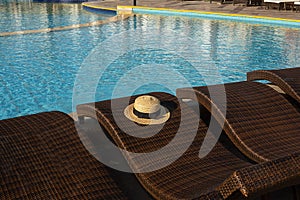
{"points": [[287, 80], [42, 157], [259, 121], [215, 176]]}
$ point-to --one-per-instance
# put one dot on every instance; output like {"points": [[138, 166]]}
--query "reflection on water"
{"points": [[26, 15]]}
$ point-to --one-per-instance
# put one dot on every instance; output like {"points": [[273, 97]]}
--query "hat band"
{"points": [[146, 115]]}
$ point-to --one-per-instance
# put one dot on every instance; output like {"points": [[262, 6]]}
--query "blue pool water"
{"points": [[38, 72]]}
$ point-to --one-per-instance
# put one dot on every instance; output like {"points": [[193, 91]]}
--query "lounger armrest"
{"points": [[285, 79], [263, 178]]}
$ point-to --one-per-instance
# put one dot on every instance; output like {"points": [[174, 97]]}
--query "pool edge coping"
{"points": [[85, 4], [192, 12]]}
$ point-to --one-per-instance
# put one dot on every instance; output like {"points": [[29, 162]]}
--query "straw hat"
{"points": [[147, 110]]}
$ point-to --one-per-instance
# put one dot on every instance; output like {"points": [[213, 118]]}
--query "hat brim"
{"points": [[162, 117]]}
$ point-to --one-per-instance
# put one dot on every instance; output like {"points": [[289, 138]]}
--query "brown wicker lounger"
{"points": [[259, 121], [287, 80], [223, 173], [42, 157]]}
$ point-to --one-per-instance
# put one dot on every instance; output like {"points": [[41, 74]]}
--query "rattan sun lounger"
{"points": [[259, 121], [287, 80], [224, 173], [280, 4], [42, 157], [296, 6]]}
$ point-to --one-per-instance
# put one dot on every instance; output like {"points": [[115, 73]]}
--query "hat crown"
{"points": [[147, 104]]}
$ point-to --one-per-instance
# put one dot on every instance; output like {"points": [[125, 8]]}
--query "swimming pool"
{"points": [[38, 72]]}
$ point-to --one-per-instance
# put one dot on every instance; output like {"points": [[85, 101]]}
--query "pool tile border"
{"points": [[200, 14], [217, 15], [108, 11]]}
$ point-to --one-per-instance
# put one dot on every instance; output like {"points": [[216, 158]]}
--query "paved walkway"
{"points": [[203, 6]]}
